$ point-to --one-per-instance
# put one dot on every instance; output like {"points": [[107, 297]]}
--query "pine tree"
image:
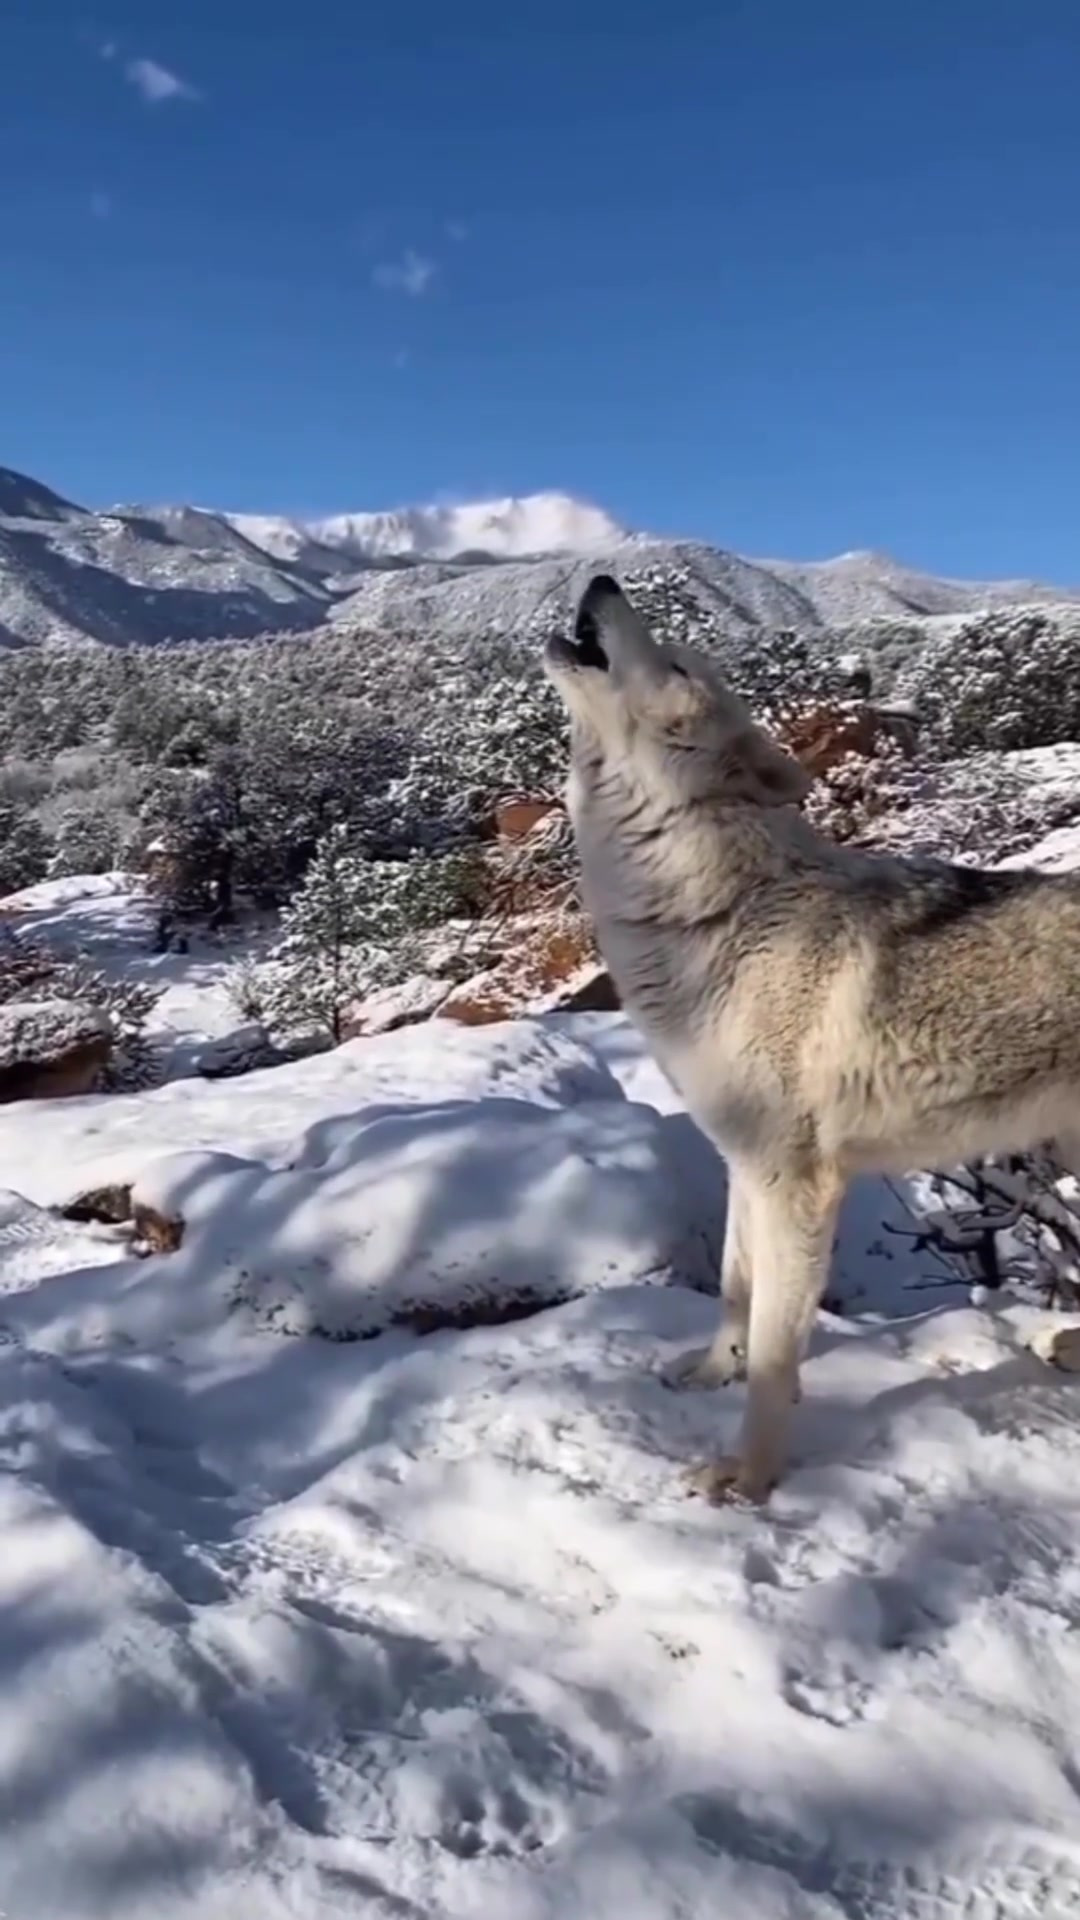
{"points": [[25, 847], [89, 838], [1002, 679], [345, 930]]}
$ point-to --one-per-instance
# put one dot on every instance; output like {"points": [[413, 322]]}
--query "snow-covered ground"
{"points": [[426, 1626], [422, 1626], [110, 920]]}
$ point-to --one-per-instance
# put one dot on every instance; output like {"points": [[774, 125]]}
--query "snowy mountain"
{"points": [[746, 595], [500, 529], [868, 586], [25, 499], [71, 576]]}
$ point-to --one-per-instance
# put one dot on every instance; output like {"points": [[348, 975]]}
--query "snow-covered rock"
{"points": [[425, 1216], [244, 1050], [402, 1005], [51, 1048], [59, 1151]]}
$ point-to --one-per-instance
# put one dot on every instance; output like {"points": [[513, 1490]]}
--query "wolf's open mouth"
{"points": [[588, 650]]}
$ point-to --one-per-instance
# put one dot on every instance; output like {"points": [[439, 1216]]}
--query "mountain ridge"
{"points": [[137, 574]]}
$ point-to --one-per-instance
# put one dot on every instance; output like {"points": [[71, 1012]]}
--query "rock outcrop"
{"points": [[52, 1048]]}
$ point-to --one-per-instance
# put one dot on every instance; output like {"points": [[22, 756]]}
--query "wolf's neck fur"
{"points": [[650, 855]]}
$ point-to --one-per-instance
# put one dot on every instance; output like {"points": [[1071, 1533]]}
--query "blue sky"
{"points": [[792, 275]]}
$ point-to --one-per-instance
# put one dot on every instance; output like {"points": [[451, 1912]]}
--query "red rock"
{"points": [[157, 1232], [515, 818], [545, 969]]}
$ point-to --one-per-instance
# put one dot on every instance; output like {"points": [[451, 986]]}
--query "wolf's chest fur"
{"points": [[692, 925]]}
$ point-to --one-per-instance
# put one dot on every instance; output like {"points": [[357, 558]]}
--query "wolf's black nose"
{"points": [[602, 587]]}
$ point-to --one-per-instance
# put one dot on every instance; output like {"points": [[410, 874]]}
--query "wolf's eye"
{"points": [[681, 671]]}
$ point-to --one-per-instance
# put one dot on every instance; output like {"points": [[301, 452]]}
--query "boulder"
{"points": [[420, 1217], [823, 735], [592, 990], [390, 1008], [242, 1051], [106, 1205], [1059, 1347], [547, 968], [479, 1002], [50, 1049], [157, 1229], [154, 1228]]}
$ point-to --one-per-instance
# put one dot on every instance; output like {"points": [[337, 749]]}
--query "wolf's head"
{"points": [[664, 708]]}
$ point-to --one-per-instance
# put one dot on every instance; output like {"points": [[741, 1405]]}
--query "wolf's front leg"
{"points": [[792, 1216], [725, 1359]]}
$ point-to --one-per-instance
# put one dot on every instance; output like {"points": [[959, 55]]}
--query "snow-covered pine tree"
{"points": [[25, 847], [1006, 678], [89, 838], [345, 930]]}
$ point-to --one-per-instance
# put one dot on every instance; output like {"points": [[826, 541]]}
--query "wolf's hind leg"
{"points": [[725, 1360]]}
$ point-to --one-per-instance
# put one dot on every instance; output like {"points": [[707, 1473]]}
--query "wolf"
{"points": [[823, 1011]]}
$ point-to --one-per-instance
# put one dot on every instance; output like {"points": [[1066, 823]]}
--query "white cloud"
{"points": [[456, 230], [156, 83], [109, 50], [412, 274], [101, 205]]}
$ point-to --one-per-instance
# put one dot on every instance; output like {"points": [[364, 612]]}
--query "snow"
{"points": [[403, 1003], [35, 1242], [1050, 776], [100, 1138], [387, 1217], [425, 1627], [1058, 853], [111, 920], [539, 523]]}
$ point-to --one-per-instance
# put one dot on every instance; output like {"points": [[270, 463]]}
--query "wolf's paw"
{"points": [[730, 1480], [704, 1367]]}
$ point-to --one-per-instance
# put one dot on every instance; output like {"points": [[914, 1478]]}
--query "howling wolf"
{"points": [[822, 1011]]}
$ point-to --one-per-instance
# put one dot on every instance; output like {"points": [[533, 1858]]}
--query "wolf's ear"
{"points": [[765, 774]]}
